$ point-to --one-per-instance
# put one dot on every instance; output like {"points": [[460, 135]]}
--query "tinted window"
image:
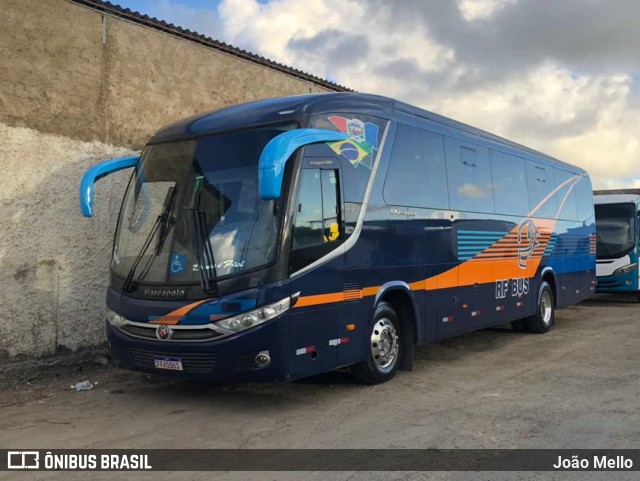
{"points": [[357, 154], [541, 186], [318, 212], [469, 177], [307, 230], [584, 198], [330, 212], [615, 224], [509, 184], [566, 194], [317, 225], [417, 173]]}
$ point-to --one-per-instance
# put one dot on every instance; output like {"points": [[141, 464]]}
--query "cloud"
{"points": [[473, 191], [562, 77], [473, 10]]}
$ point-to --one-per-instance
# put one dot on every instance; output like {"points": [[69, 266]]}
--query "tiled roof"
{"points": [[162, 26]]}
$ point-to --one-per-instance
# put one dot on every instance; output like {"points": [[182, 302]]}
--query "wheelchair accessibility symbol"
{"points": [[178, 263]]}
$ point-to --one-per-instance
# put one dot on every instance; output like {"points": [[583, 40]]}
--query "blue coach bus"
{"points": [[617, 243], [287, 237]]}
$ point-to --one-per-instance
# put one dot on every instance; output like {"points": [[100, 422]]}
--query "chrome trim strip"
{"points": [[350, 242], [152, 327]]}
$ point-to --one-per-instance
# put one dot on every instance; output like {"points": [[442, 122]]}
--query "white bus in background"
{"points": [[617, 240]]}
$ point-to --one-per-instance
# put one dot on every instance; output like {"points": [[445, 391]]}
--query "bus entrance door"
{"points": [[316, 273]]}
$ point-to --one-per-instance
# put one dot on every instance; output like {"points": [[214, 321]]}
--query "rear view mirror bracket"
{"points": [[95, 173], [278, 151]]}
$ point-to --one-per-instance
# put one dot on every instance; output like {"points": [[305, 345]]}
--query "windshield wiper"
{"points": [[167, 221], [160, 225], [204, 250]]}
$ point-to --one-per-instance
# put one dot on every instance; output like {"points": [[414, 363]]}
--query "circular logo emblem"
{"points": [[163, 332]]}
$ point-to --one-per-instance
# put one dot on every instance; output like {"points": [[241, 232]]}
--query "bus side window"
{"points": [[417, 173], [317, 224], [566, 196], [584, 199], [541, 184], [509, 184], [469, 177]]}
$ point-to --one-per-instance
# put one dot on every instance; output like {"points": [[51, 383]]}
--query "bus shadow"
{"points": [[481, 340], [618, 298]]}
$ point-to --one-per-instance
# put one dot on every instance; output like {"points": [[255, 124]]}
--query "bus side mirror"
{"points": [[278, 151], [95, 173]]}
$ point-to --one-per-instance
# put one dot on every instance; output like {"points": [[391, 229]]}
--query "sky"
{"points": [[560, 76]]}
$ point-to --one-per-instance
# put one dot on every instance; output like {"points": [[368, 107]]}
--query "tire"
{"points": [[544, 318], [385, 347], [638, 296]]}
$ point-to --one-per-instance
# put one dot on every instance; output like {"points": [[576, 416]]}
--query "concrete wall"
{"points": [[68, 100]]}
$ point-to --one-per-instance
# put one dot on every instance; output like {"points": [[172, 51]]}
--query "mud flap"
{"points": [[408, 341]]}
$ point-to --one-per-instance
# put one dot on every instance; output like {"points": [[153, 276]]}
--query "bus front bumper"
{"points": [[232, 358], [618, 283]]}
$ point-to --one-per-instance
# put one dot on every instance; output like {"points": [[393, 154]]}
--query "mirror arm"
{"points": [[95, 173], [278, 151]]}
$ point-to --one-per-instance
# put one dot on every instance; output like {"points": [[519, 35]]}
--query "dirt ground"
{"points": [[576, 387]]}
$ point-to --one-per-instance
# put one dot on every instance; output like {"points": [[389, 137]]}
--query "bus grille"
{"points": [[176, 335], [199, 362], [610, 284]]}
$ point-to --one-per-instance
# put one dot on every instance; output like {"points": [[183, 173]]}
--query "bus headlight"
{"points": [[256, 317], [624, 269], [115, 319]]}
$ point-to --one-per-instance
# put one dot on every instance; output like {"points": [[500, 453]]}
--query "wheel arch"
{"points": [[402, 298], [548, 275]]}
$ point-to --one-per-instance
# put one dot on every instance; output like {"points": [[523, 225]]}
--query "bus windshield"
{"points": [[194, 205], [615, 227]]}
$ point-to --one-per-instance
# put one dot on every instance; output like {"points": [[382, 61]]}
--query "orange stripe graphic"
{"points": [[478, 270], [174, 317]]}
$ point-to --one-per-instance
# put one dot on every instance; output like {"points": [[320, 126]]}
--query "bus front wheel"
{"points": [[544, 318], [385, 347]]}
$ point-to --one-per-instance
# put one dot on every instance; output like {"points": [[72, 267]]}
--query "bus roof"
{"points": [[615, 198], [296, 107]]}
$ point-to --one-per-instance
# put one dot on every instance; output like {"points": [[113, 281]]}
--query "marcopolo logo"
{"points": [[528, 241], [164, 292], [163, 332], [23, 460]]}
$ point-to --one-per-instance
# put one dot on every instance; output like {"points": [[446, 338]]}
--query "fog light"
{"points": [[263, 359]]}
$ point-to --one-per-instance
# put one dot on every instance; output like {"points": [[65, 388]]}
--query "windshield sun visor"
{"points": [[276, 153], [95, 173]]}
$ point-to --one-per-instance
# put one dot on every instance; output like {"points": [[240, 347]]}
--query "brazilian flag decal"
{"points": [[362, 143]]}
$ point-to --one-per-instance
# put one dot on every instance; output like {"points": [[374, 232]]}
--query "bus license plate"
{"points": [[171, 363]]}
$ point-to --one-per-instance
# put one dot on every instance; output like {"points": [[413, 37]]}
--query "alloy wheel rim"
{"points": [[384, 343], [546, 307]]}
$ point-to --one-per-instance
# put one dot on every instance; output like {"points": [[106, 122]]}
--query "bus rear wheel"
{"points": [[544, 318], [385, 347]]}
